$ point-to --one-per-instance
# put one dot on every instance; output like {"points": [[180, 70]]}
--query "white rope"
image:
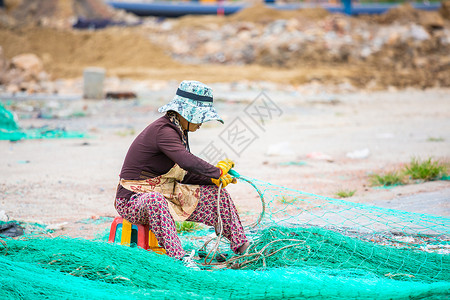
{"points": [[214, 249]]}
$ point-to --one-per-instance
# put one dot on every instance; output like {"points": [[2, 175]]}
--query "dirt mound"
{"points": [[28, 11], [11, 4], [444, 10], [257, 13], [405, 13], [260, 13], [312, 13], [200, 22], [58, 13], [67, 53], [93, 9]]}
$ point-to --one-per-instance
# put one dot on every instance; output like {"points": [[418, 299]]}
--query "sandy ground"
{"points": [[65, 182]]}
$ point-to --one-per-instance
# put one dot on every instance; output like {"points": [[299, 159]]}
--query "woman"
{"points": [[162, 182]]}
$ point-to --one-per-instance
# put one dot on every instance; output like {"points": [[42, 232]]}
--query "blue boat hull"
{"points": [[178, 9]]}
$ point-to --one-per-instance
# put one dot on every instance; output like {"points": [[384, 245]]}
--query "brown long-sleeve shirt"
{"points": [[156, 150]]}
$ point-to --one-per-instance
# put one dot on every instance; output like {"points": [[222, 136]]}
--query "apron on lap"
{"points": [[182, 198]]}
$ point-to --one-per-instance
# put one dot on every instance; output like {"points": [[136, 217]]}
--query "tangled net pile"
{"points": [[304, 246], [10, 130]]}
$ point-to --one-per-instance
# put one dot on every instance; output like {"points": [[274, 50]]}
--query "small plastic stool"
{"points": [[144, 238]]}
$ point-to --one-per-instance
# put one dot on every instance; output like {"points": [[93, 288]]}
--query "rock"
{"points": [[29, 64], [319, 156], [359, 154], [292, 25], [25, 72], [12, 76], [30, 87], [419, 33], [280, 149], [211, 47], [420, 62], [277, 27], [342, 25], [366, 52], [57, 226], [393, 38], [12, 88], [244, 36], [3, 216], [180, 47]]}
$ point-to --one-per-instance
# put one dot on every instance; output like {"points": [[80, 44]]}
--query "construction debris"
{"points": [[401, 48]]}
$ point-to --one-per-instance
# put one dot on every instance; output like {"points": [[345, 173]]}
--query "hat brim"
{"points": [[196, 112]]}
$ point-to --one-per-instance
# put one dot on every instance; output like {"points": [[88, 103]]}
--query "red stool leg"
{"points": [[112, 231], [142, 236]]}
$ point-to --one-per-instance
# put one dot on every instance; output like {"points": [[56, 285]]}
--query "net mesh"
{"points": [[303, 246], [10, 130]]}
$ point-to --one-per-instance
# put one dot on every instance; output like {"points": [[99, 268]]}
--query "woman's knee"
{"points": [[154, 200]]}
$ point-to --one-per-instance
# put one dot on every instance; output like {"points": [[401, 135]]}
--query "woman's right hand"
{"points": [[225, 165]]}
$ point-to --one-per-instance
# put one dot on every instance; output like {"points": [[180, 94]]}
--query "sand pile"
{"points": [[43, 28], [66, 53], [58, 13], [445, 10], [405, 14], [257, 13], [260, 13]]}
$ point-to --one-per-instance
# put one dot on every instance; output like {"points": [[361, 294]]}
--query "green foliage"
{"points": [[187, 226], [126, 132], [287, 199], [388, 179], [425, 170], [416, 170], [434, 139], [345, 193]]}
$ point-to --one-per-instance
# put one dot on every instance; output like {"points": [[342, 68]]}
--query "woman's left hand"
{"points": [[224, 179]]}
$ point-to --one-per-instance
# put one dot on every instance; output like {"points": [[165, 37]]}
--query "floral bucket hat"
{"points": [[194, 101]]}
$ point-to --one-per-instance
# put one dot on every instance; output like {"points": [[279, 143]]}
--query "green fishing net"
{"points": [[10, 130], [62, 268], [303, 246]]}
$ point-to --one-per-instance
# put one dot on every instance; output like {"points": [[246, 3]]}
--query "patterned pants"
{"points": [[152, 209]]}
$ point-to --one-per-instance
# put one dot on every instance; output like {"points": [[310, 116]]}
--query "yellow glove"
{"points": [[225, 165], [224, 179]]}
